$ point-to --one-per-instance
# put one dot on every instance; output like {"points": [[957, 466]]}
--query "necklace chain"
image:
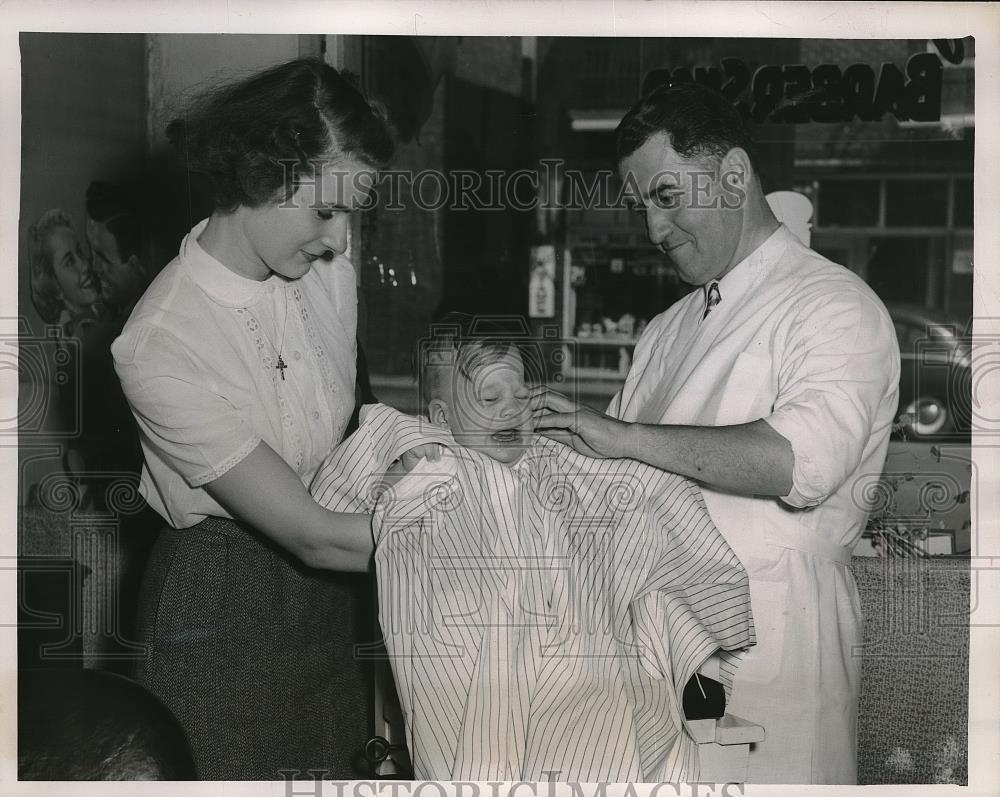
{"points": [[281, 365]]}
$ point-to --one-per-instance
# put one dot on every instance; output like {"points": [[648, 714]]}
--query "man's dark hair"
{"points": [[702, 124], [111, 206]]}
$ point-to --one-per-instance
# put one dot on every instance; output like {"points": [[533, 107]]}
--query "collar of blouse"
{"points": [[223, 285]]}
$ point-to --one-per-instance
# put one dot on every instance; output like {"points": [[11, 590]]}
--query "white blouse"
{"points": [[197, 361]]}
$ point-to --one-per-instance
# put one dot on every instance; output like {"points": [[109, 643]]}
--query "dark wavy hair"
{"points": [[702, 124], [242, 136]]}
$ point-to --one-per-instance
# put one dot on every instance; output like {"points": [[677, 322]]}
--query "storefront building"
{"points": [[878, 135]]}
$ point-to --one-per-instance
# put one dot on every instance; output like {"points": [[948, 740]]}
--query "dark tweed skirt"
{"points": [[255, 654]]}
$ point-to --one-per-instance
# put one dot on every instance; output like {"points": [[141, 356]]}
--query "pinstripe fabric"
{"points": [[542, 618]]}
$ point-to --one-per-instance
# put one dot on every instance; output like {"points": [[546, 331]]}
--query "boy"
{"points": [[542, 611]]}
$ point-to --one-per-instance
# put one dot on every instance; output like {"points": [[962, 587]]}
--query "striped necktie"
{"points": [[712, 298]]}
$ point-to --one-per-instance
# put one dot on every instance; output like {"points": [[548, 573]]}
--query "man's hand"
{"points": [[749, 458], [589, 432]]}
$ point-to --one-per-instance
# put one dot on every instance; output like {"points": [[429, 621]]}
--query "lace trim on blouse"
{"points": [[340, 420], [269, 359], [227, 464]]}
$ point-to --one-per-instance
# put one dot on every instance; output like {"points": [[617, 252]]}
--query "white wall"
{"points": [[182, 65]]}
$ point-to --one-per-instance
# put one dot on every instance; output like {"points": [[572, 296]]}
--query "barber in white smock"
{"points": [[774, 384]]}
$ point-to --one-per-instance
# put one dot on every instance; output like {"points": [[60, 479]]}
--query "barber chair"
{"points": [[85, 724]]}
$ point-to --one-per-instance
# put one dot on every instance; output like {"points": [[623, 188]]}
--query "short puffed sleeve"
{"points": [[187, 413]]}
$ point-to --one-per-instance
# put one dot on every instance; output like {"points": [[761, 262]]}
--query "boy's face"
{"points": [[488, 410]]}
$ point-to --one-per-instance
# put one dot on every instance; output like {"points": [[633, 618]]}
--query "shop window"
{"points": [[848, 203], [959, 299], [615, 283], [963, 203], [916, 203], [911, 336], [905, 269], [836, 254]]}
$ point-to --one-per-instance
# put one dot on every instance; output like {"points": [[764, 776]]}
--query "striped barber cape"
{"points": [[541, 619]]}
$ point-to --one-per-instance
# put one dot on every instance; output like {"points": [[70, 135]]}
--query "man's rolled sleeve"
{"points": [[840, 360], [185, 415]]}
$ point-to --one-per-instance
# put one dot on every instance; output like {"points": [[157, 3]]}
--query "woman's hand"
{"points": [[590, 432], [428, 451], [409, 460]]}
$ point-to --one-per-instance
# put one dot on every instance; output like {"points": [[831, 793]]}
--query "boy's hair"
{"points": [[459, 341]]}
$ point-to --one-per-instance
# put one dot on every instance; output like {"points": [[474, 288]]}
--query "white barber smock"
{"points": [[806, 345]]}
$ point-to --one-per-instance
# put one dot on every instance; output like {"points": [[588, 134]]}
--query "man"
{"points": [[774, 385], [114, 231]]}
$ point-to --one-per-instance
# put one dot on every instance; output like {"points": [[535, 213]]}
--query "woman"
{"points": [[239, 365], [63, 288], [65, 291]]}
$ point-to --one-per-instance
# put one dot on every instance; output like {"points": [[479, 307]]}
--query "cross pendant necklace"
{"points": [[281, 364], [280, 367]]}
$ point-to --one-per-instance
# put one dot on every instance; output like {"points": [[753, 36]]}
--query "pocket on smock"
{"points": [[769, 603]]}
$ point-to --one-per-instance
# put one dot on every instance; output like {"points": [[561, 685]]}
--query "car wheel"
{"points": [[930, 417]]}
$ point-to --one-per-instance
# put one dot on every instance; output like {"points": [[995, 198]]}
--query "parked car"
{"points": [[935, 381]]}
